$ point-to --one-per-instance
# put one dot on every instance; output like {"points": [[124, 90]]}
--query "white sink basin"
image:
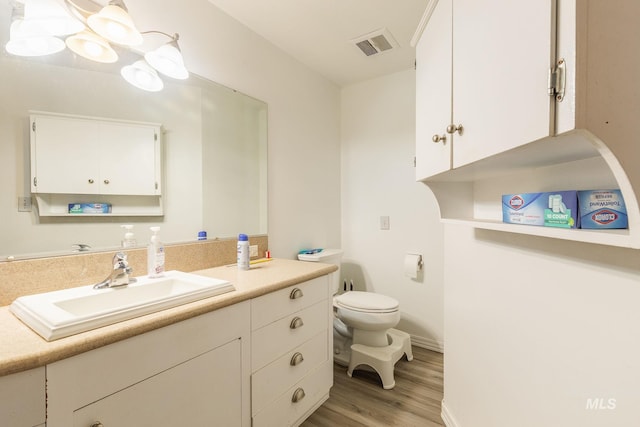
{"points": [[67, 312]]}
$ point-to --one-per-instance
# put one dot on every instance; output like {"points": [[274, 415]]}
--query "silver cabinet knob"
{"points": [[91, 181], [453, 129], [437, 138], [296, 323], [106, 181], [296, 293], [298, 395], [97, 424], [296, 359]]}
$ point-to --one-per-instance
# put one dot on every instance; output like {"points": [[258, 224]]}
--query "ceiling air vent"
{"points": [[376, 42]]}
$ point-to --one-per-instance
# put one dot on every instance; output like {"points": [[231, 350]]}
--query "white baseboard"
{"points": [[427, 343], [447, 417]]}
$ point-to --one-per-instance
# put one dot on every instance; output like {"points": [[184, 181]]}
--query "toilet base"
{"points": [[341, 349], [382, 359]]}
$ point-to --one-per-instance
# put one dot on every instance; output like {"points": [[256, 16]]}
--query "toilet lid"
{"points": [[368, 302]]}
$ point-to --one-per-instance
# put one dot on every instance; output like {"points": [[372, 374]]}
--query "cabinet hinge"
{"points": [[414, 161], [557, 80], [33, 126], [155, 136], [156, 185], [35, 181]]}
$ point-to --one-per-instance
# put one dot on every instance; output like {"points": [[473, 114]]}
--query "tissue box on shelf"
{"points": [[550, 209], [89, 208], [602, 209]]}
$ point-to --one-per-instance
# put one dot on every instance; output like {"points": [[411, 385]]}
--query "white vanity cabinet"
{"points": [[516, 138], [195, 372], [479, 64], [22, 399], [291, 360], [76, 159]]}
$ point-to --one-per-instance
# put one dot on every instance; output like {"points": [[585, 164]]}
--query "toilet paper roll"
{"points": [[412, 265]]}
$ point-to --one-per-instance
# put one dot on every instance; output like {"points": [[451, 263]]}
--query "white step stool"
{"points": [[382, 359]]}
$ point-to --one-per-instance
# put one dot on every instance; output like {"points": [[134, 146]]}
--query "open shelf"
{"points": [[472, 194], [57, 205]]}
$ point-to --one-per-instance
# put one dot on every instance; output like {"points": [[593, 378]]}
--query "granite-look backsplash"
{"points": [[33, 276]]}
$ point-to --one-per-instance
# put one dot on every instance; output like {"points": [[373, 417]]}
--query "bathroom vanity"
{"points": [[259, 355]]}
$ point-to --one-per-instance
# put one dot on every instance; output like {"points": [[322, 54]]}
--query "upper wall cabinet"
{"points": [[519, 97], [84, 159], [482, 73]]}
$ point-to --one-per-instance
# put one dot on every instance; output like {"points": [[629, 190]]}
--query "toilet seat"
{"points": [[367, 302]]}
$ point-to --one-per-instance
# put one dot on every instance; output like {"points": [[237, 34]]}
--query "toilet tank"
{"points": [[328, 256]]}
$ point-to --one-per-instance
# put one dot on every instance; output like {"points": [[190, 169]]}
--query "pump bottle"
{"points": [[128, 241], [155, 255]]}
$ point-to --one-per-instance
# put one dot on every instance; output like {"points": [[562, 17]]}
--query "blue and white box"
{"points": [[602, 209], [549, 209], [89, 208]]}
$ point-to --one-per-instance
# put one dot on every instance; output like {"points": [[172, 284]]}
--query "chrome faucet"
{"points": [[120, 274]]}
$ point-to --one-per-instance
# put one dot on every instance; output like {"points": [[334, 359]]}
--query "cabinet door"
{"points": [[128, 159], [204, 391], [433, 93], [77, 155], [22, 399], [501, 57], [63, 156]]}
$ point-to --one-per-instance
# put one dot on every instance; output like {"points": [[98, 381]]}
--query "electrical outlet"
{"points": [[24, 204], [253, 251], [384, 222]]}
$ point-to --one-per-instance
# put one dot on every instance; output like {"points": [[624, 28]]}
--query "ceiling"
{"points": [[320, 33]]}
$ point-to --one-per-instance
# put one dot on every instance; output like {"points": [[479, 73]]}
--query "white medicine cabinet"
{"points": [[78, 159], [527, 98]]}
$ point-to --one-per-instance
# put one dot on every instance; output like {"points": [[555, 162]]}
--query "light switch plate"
{"points": [[384, 222], [253, 251], [24, 204]]}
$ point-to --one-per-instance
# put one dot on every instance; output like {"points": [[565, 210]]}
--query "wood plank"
{"points": [[361, 401]]}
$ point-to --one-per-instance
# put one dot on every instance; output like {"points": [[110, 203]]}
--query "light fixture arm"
{"points": [[175, 37], [119, 3]]}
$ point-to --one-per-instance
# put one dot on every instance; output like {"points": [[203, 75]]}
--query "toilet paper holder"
{"points": [[420, 261]]}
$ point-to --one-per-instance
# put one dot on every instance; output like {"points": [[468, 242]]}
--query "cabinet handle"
{"points": [[296, 323], [297, 359], [437, 138], [453, 129], [91, 181], [298, 395], [97, 424], [106, 181], [296, 293]]}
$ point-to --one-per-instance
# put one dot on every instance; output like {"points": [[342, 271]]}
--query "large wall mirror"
{"points": [[214, 141]]}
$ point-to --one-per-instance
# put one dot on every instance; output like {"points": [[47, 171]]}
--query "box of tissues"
{"points": [[550, 209]]}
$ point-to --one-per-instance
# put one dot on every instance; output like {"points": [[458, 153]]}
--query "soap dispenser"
{"points": [[128, 241], [155, 255]]}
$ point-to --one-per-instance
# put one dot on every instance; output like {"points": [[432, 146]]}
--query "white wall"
{"points": [[378, 179], [540, 332]]}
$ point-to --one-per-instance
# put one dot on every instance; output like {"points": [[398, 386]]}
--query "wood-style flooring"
{"points": [[361, 401]]}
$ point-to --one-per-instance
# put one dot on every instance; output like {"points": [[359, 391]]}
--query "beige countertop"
{"points": [[22, 349]]}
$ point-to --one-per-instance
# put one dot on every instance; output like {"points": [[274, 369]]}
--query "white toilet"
{"points": [[363, 331]]}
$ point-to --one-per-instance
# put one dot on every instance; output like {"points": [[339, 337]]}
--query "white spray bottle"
{"points": [[155, 255]]}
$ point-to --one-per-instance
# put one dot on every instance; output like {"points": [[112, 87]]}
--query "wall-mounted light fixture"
{"points": [[37, 26]]}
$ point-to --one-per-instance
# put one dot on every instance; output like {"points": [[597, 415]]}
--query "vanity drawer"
{"points": [[275, 378], [274, 340], [285, 410], [276, 305]]}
